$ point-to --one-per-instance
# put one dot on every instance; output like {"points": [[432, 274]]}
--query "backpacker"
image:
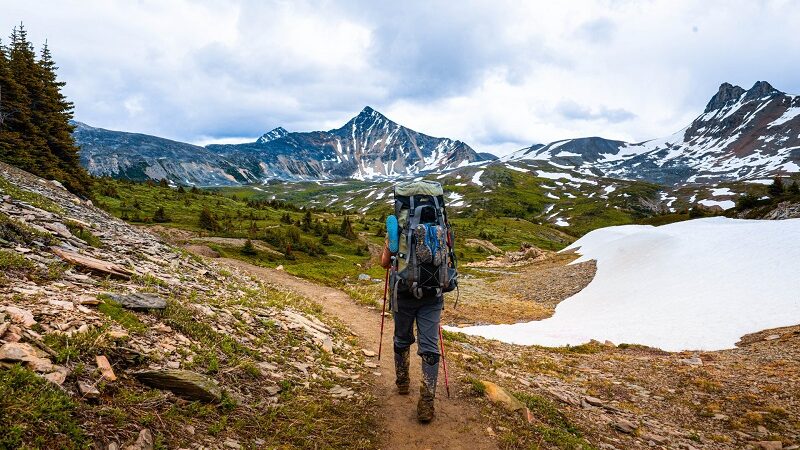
{"points": [[425, 263]]}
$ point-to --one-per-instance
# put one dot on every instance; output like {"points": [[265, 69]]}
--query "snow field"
{"points": [[694, 285]]}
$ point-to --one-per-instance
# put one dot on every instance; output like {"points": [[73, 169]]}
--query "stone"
{"points": [[624, 426], [231, 443], [327, 345], [693, 361], [17, 352], [341, 392], [273, 390], [660, 440], [184, 383], [139, 301], [280, 267], [105, 368], [497, 394], [594, 401], [769, 445], [21, 316], [143, 442], [88, 391], [772, 337], [42, 365], [369, 353], [363, 277], [68, 306], [58, 377]]}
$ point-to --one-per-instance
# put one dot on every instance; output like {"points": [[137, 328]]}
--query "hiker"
{"points": [[422, 269]]}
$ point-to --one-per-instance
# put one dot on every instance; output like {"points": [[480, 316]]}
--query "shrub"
{"points": [[207, 221], [248, 248], [160, 216]]}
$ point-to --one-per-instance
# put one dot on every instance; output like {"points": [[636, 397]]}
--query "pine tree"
{"points": [[160, 216], [794, 189], [35, 133], [56, 113], [776, 188], [248, 248], [207, 221]]}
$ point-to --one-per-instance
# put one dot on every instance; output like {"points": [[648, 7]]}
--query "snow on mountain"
{"points": [[369, 146], [139, 157], [699, 284], [271, 135], [741, 134]]}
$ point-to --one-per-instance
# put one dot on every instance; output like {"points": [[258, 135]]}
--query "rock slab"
{"points": [[139, 301], [184, 383]]}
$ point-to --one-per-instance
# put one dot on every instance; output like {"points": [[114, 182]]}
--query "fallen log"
{"points": [[92, 264]]}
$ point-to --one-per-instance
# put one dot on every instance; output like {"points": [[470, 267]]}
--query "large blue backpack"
{"points": [[425, 265]]}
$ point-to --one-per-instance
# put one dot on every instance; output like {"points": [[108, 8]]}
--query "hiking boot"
{"points": [[424, 254], [401, 363], [427, 390], [425, 405]]}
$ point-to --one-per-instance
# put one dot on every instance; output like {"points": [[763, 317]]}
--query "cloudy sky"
{"points": [[497, 75]]}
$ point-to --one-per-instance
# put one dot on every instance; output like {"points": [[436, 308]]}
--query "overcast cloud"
{"points": [[497, 75]]}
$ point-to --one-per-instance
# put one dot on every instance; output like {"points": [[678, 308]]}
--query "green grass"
{"points": [[13, 261], [77, 347], [29, 197], [552, 425], [81, 232], [120, 315], [36, 414], [12, 230]]}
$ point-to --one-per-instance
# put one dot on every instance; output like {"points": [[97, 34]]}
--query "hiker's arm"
{"points": [[386, 256]]}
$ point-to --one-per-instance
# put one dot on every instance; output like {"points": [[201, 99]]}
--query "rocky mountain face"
{"points": [[137, 156], [741, 134], [369, 146]]}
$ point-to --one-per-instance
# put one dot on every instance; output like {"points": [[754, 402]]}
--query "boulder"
{"points": [[105, 368], [184, 383], [21, 316], [139, 301], [769, 445], [144, 441], [497, 394], [17, 352], [88, 391]]}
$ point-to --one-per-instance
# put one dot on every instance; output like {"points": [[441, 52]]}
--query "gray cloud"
{"points": [[498, 75], [574, 111]]}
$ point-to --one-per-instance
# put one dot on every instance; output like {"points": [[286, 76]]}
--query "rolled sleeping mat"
{"points": [[392, 234]]}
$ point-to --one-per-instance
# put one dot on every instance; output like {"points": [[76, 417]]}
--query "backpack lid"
{"points": [[422, 187]]}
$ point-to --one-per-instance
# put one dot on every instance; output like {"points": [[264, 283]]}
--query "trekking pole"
{"points": [[444, 362], [383, 311]]}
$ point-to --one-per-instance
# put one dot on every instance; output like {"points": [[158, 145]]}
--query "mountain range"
{"points": [[369, 146], [741, 134]]}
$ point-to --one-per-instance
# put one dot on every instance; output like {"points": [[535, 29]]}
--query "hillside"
{"points": [[135, 339]]}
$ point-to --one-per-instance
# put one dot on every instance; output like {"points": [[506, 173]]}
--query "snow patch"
{"points": [[731, 280]]}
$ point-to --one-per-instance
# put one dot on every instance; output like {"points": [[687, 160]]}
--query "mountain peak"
{"points": [[726, 94], [761, 89], [275, 133]]}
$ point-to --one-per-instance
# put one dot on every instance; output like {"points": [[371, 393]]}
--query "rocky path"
{"points": [[457, 425]]}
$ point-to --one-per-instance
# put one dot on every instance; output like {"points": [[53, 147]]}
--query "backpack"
{"points": [[425, 264]]}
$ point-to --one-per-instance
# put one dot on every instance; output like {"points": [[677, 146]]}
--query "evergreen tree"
{"points": [[346, 229], [35, 129], [207, 221], [248, 248], [794, 189], [776, 188], [163, 183], [160, 216]]}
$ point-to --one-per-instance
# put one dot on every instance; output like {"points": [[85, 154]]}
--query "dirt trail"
{"points": [[457, 424]]}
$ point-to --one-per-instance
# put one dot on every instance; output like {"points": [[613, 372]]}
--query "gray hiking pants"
{"points": [[426, 312]]}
